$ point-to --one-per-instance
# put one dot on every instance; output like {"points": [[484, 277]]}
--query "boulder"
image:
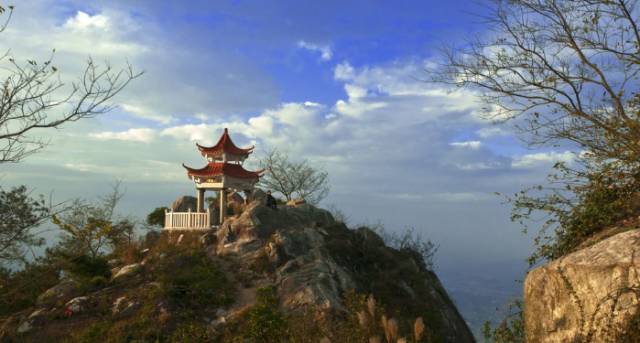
{"points": [[63, 291], [124, 307], [207, 239], [296, 202], [313, 261], [184, 203], [257, 195], [25, 327], [585, 295], [235, 197], [127, 270], [77, 304]]}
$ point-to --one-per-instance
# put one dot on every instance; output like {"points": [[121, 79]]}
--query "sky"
{"points": [[341, 84]]}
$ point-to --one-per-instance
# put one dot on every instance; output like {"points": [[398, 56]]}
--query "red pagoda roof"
{"points": [[219, 168], [225, 144]]}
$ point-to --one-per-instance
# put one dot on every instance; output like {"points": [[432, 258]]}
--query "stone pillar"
{"points": [[200, 208], [223, 205]]}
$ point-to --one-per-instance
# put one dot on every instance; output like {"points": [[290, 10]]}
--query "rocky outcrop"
{"points": [[586, 296], [63, 291], [314, 261], [184, 204]]}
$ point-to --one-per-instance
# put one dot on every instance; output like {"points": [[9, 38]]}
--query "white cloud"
{"points": [[325, 50], [84, 21], [540, 158], [143, 112], [193, 132], [344, 72], [492, 131], [475, 166], [462, 196], [467, 144], [132, 135]]}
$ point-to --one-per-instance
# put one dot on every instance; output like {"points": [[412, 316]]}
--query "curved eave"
{"points": [[225, 144], [219, 169], [218, 150]]}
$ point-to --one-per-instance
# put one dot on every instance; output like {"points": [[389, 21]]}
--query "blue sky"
{"points": [[338, 83]]}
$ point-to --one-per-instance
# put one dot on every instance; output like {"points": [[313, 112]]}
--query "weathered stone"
{"points": [[207, 239], [184, 204], [127, 270], [258, 195], [63, 291], [235, 197], [584, 293], [25, 327], [289, 246], [123, 307], [77, 304], [296, 202]]}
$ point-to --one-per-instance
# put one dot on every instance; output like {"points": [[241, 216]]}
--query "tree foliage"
{"points": [[20, 214], [90, 228], [294, 179], [566, 72], [156, 217]]}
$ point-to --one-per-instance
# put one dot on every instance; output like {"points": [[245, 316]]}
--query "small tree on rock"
{"points": [[294, 179]]}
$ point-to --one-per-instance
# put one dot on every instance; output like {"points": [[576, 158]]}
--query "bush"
{"points": [[19, 290], [156, 217], [191, 332], [191, 281], [85, 267], [586, 201], [266, 323]]}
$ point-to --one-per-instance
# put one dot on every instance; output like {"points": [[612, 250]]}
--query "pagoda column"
{"points": [[200, 197], [223, 205]]}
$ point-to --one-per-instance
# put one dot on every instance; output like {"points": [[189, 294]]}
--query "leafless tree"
{"points": [[294, 178], [567, 71], [33, 97], [568, 68]]}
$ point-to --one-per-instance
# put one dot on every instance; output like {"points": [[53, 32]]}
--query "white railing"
{"points": [[187, 220]]}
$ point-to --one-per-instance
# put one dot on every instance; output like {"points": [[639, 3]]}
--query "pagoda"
{"points": [[223, 172]]}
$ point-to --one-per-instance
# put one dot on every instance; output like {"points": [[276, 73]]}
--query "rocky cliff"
{"points": [[321, 280], [314, 261], [591, 295]]}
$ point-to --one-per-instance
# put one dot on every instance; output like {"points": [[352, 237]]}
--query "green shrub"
{"points": [[87, 267], [191, 281], [266, 323], [20, 289], [191, 332], [156, 217], [98, 281], [510, 329]]}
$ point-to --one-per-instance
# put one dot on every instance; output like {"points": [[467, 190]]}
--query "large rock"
{"points": [[314, 261], [587, 295], [184, 203], [61, 292], [127, 270]]}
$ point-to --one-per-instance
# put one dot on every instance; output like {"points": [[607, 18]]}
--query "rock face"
{"points": [[314, 261], [184, 203], [63, 291], [586, 295]]}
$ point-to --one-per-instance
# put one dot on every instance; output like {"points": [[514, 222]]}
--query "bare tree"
{"points": [[568, 68], [567, 71], [294, 178], [32, 91]]}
